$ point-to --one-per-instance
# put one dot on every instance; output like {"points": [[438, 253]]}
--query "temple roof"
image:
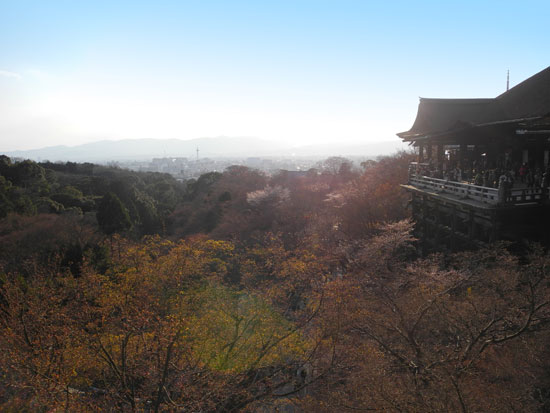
{"points": [[527, 100]]}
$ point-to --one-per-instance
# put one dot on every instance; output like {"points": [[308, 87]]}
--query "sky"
{"points": [[299, 72]]}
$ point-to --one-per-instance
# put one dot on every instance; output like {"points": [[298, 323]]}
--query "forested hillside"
{"points": [[238, 291]]}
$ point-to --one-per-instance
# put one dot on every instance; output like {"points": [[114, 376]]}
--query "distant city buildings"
{"points": [[184, 168]]}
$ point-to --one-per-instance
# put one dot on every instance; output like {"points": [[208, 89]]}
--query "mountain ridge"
{"points": [[213, 147]]}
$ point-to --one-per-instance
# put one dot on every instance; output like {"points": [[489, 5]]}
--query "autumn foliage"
{"points": [[461, 332], [161, 327], [263, 293]]}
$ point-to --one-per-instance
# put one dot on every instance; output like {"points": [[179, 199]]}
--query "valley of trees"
{"points": [[238, 291]]}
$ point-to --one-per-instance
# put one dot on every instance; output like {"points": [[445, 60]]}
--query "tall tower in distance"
{"points": [[508, 80], [197, 153]]}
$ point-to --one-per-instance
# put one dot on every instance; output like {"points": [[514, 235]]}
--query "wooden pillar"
{"points": [[540, 152], [440, 154], [494, 148], [437, 224], [453, 228], [462, 155], [420, 152], [494, 227], [429, 151], [472, 226], [424, 224]]}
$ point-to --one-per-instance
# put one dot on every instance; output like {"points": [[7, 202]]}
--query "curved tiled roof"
{"points": [[529, 99]]}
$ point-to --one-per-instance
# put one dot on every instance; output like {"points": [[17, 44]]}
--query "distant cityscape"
{"points": [[187, 159], [183, 168]]}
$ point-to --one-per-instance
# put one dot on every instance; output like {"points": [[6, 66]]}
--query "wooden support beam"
{"points": [[440, 154], [453, 227], [462, 155]]}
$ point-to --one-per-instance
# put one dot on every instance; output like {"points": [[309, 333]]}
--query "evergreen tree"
{"points": [[112, 216]]}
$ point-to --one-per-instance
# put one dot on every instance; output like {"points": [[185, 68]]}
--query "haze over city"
{"points": [[297, 73]]}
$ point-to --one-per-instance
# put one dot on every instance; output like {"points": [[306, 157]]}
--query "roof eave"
{"points": [[413, 137]]}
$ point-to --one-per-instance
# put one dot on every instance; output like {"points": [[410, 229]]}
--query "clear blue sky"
{"points": [[295, 71]]}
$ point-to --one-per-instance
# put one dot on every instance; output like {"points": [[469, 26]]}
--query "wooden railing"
{"points": [[523, 195], [478, 193], [474, 192]]}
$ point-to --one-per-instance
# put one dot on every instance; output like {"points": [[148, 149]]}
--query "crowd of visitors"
{"points": [[475, 174]]}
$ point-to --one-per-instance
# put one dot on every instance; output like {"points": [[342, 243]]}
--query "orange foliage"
{"points": [[375, 197], [448, 333], [159, 330]]}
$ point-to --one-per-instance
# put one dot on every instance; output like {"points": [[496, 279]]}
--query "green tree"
{"points": [[5, 187], [112, 216]]}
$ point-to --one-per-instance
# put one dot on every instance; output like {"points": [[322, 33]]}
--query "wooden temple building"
{"points": [[483, 168]]}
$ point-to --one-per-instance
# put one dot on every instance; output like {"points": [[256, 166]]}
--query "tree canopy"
{"points": [[112, 216], [242, 291]]}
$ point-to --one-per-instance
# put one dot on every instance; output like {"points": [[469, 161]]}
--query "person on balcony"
{"points": [[478, 180], [537, 178], [545, 183], [503, 189], [458, 174], [530, 177], [523, 172]]}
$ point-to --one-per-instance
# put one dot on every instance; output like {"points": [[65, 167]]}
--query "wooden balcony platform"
{"points": [[474, 195], [455, 215]]}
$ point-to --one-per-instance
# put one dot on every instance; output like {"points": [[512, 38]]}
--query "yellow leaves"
{"points": [[160, 300], [219, 247], [234, 332]]}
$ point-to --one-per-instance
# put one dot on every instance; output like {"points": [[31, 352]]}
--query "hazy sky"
{"points": [[296, 71]]}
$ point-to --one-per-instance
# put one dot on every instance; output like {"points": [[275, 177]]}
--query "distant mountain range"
{"points": [[219, 147]]}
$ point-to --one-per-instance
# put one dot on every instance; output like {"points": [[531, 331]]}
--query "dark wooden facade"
{"points": [[483, 170]]}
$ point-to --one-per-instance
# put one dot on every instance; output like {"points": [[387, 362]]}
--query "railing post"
{"points": [[502, 189]]}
